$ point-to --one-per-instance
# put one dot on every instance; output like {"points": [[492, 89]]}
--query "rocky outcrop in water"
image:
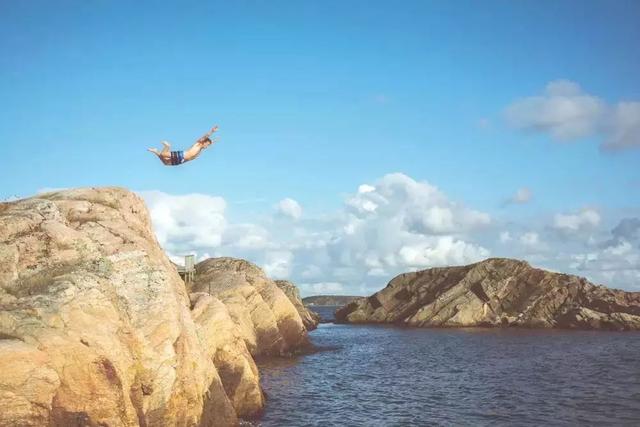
{"points": [[97, 328], [310, 319], [496, 292], [225, 346], [241, 313], [268, 322]]}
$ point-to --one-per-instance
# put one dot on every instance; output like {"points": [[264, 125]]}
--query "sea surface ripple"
{"points": [[393, 376]]}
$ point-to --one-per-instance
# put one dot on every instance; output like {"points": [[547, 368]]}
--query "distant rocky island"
{"points": [[97, 328], [496, 292], [329, 300]]}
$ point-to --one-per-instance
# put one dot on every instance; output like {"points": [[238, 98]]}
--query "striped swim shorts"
{"points": [[177, 158]]}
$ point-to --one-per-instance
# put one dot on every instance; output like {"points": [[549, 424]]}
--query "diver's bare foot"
{"points": [[166, 144]]}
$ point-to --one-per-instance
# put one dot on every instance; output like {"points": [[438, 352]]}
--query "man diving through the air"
{"points": [[174, 158]]}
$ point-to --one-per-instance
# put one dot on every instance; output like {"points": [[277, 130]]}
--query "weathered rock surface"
{"points": [[496, 292], [310, 319], [95, 323], [267, 321], [225, 345]]}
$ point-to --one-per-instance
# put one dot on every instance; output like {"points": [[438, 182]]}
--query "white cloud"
{"points": [[566, 112], [624, 128], [583, 220], [289, 208], [505, 237], [384, 228], [530, 238], [364, 188], [277, 264], [419, 205], [321, 288], [521, 196], [188, 223], [414, 226], [563, 110], [246, 236], [441, 251]]}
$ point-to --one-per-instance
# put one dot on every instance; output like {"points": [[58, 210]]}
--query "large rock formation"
{"points": [[97, 328], [496, 292], [268, 322], [225, 345], [309, 318]]}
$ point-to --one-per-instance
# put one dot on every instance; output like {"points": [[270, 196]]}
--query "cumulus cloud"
{"points": [[566, 112], [321, 288], [563, 110], [505, 237], [530, 238], [187, 223], [441, 251], [386, 227], [289, 208], [627, 228], [392, 225], [521, 196], [624, 127], [420, 206], [277, 264], [586, 219], [614, 265]]}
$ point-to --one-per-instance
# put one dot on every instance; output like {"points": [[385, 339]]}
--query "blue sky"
{"points": [[315, 99]]}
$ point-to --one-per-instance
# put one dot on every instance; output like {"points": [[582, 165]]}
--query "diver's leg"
{"points": [[164, 157], [166, 147]]}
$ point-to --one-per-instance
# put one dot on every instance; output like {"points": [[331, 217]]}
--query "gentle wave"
{"points": [[386, 376]]}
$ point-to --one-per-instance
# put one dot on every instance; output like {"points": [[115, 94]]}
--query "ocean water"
{"points": [[393, 376]]}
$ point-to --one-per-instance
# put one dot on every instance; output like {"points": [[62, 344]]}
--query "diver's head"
{"points": [[205, 142]]}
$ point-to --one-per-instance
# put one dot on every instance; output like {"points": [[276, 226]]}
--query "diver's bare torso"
{"points": [[174, 158]]}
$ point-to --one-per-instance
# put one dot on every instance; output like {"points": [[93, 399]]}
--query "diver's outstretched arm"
{"points": [[207, 135]]}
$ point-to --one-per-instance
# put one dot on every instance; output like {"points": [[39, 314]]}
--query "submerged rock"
{"points": [[496, 292], [309, 318], [95, 323]]}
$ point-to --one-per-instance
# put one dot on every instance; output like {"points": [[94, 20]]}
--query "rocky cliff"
{"points": [[496, 292], [97, 328], [309, 318], [268, 322]]}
